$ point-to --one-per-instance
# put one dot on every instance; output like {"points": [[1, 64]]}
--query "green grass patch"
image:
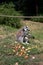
{"points": [[7, 56]]}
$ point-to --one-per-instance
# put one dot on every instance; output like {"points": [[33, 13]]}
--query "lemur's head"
{"points": [[26, 28]]}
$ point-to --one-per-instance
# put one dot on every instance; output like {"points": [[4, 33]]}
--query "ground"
{"points": [[14, 53]]}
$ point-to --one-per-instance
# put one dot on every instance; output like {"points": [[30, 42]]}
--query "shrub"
{"points": [[37, 19], [8, 9]]}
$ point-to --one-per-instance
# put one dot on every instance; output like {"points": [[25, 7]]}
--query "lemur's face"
{"points": [[26, 29]]}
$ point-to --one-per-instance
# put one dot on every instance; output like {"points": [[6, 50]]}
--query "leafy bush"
{"points": [[37, 19], [8, 9]]}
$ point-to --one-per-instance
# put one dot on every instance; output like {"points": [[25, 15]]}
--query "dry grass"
{"points": [[33, 25]]}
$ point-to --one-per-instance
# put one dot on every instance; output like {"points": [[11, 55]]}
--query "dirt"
{"points": [[2, 36], [33, 25]]}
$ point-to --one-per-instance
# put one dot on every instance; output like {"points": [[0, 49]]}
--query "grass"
{"points": [[7, 45]]}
